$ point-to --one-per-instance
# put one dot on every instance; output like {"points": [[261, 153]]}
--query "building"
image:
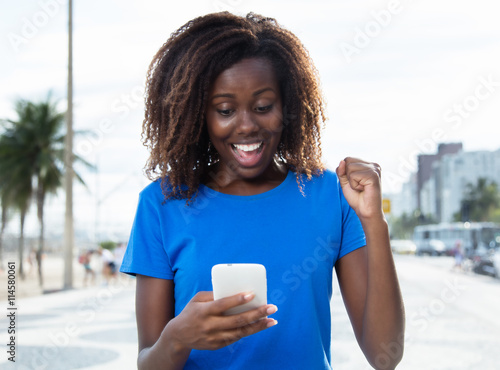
{"points": [[454, 172], [404, 202], [425, 163], [437, 189], [441, 195]]}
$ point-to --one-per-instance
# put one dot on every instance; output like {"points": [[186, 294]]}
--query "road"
{"points": [[452, 319], [453, 322]]}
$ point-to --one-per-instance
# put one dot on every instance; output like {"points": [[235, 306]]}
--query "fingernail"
{"points": [[271, 310], [248, 296], [271, 323]]}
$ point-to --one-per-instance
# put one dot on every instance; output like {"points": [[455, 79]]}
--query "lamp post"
{"points": [[68, 163]]}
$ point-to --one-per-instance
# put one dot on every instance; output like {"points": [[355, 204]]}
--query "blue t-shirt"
{"points": [[297, 237]]}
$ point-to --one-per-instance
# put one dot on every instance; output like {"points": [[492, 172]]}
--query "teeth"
{"points": [[247, 148]]}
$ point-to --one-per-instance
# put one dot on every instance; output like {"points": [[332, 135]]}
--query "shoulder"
{"points": [[325, 190], [327, 181], [157, 191], [152, 190]]}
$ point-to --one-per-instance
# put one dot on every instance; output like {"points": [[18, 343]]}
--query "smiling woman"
{"points": [[233, 113], [244, 118], [182, 99]]}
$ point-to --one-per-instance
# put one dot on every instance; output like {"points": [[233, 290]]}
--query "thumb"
{"points": [[342, 174]]}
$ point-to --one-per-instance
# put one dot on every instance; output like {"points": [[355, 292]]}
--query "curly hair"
{"points": [[178, 81]]}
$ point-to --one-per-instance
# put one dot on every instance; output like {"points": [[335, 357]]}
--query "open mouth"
{"points": [[248, 154]]}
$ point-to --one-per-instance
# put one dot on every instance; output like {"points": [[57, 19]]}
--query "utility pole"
{"points": [[68, 163]]}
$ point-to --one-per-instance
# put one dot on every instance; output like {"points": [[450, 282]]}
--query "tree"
{"points": [[15, 182], [480, 202], [4, 217], [38, 134], [402, 227]]}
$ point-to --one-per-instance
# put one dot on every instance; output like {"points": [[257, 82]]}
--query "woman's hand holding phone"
{"points": [[203, 324]]}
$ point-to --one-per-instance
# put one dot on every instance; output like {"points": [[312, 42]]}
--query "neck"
{"points": [[225, 181]]}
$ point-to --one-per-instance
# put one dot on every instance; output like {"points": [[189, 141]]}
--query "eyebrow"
{"points": [[232, 96]]}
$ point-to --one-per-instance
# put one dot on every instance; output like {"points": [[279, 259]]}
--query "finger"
{"points": [[221, 305], [350, 160], [362, 172], [250, 329], [361, 178], [355, 164], [248, 317], [341, 173]]}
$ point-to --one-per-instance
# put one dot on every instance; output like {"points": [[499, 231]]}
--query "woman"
{"points": [[233, 116]]}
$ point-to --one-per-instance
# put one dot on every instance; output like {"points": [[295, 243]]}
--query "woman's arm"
{"points": [[165, 341], [367, 276], [154, 307]]}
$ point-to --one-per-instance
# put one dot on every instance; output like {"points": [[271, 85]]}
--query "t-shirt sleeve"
{"points": [[353, 236], [145, 254]]}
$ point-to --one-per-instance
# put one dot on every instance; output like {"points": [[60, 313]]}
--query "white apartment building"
{"points": [[441, 195], [428, 198]]}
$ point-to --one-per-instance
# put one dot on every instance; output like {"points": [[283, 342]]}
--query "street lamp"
{"points": [[68, 162]]}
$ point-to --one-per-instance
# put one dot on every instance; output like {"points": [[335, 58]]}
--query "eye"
{"points": [[264, 109], [224, 112]]}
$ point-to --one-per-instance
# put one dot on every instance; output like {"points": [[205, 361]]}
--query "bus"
{"points": [[475, 238]]}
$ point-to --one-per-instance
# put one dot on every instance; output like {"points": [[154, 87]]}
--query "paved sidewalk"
{"points": [[91, 328], [451, 318]]}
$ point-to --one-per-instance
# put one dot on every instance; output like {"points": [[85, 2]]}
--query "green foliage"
{"points": [[402, 227], [481, 202], [32, 161], [108, 244], [495, 216]]}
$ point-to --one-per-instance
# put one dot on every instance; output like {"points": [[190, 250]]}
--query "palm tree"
{"points": [[4, 217], [479, 202], [39, 130], [45, 124], [15, 182]]}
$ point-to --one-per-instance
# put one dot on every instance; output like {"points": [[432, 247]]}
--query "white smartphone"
{"points": [[233, 278]]}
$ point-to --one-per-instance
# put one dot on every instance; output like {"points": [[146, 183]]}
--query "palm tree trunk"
{"points": [[40, 200], [21, 245], [2, 230]]}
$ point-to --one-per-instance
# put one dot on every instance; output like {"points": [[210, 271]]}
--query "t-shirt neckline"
{"points": [[214, 193]]}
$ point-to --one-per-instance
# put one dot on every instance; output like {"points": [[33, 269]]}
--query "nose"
{"points": [[246, 124]]}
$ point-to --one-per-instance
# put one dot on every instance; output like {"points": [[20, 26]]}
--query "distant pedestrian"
{"points": [[459, 255], [85, 260], [108, 264]]}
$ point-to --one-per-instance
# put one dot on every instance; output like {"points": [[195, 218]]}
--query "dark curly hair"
{"points": [[177, 86]]}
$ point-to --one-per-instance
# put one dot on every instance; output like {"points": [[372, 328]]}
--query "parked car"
{"points": [[433, 247], [496, 261], [402, 246], [486, 263]]}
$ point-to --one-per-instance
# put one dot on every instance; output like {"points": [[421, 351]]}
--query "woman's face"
{"points": [[244, 118]]}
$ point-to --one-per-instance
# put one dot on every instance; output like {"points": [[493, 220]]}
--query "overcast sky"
{"points": [[398, 76]]}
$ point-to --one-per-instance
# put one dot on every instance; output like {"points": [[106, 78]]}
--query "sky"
{"points": [[399, 77]]}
